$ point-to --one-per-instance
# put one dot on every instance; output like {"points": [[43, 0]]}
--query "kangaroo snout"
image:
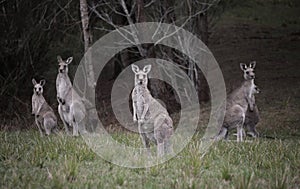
{"points": [[61, 70], [39, 89]]}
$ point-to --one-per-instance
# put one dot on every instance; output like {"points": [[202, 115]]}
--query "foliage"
{"points": [[33, 34]]}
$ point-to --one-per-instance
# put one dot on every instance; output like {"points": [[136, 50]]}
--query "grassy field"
{"points": [[29, 161], [265, 31]]}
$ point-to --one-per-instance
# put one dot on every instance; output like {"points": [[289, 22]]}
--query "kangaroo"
{"points": [[252, 118], [237, 104], [70, 107], [44, 115], [154, 122]]}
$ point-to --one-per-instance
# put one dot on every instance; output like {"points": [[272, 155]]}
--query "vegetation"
{"points": [[29, 161], [35, 32], [263, 30]]}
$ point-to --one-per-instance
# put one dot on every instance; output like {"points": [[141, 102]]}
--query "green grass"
{"points": [[59, 161], [29, 161]]}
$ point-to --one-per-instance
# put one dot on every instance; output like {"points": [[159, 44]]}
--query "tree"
{"points": [[87, 38], [190, 15], [35, 32]]}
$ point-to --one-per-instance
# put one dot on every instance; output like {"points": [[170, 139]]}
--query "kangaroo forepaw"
{"points": [[140, 121], [251, 108], [134, 119], [66, 108]]}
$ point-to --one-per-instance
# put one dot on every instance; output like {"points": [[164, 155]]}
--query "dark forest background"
{"points": [[34, 32]]}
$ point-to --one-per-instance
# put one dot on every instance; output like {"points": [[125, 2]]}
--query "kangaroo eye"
{"points": [[65, 66], [247, 72]]}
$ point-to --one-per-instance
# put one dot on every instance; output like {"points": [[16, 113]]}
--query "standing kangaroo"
{"points": [[154, 122], [44, 115], [238, 102], [70, 107], [252, 118]]}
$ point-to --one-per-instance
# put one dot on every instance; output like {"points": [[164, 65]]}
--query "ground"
{"points": [[268, 34]]}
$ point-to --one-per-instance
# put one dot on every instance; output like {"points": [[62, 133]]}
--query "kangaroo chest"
{"points": [[63, 86], [142, 98], [248, 90], [251, 89], [39, 103]]}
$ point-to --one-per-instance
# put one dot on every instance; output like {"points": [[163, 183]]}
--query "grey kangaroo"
{"points": [[45, 118], [252, 118], [70, 106], [154, 122], [238, 103]]}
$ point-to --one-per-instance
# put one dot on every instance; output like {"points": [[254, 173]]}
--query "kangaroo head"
{"points": [[141, 75], [63, 65], [38, 87], [248, 70]]}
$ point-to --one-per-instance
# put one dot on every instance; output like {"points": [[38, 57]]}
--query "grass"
{"points": [[59, 161], [29, 161]]}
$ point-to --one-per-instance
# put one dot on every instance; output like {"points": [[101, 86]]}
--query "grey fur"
{"points": [[154, 122], [44, 115], [237, 104], [70, 106], [251, 119]]}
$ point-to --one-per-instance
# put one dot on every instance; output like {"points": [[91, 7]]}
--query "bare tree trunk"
{"points": [[85, 24], [89, 92], [87, 37]]}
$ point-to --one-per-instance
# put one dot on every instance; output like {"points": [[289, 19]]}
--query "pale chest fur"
{"points": [[241, 95], [63, 85], [141, 97], [38, 102], [245, 92], [251, 89], [248, 91]]}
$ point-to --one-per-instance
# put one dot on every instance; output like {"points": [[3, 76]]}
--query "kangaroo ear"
{"points": [[147, 69], [59, 59], [243, 66], [69, 60], [34, 81], [135, 68], [252, 64], [42, 82]]}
